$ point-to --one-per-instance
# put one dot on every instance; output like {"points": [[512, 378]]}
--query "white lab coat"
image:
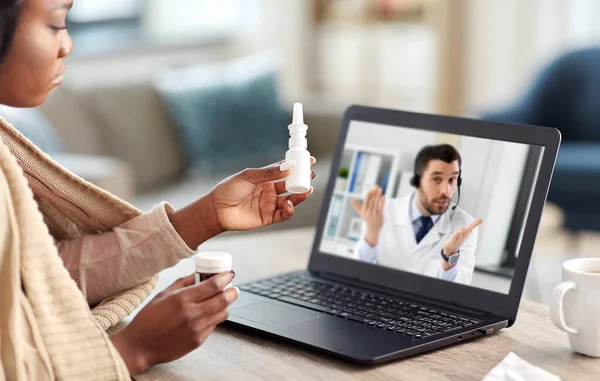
{"points": [[397, 247]]}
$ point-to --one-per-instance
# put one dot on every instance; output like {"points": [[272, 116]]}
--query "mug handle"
{"points": [[556, 306]]}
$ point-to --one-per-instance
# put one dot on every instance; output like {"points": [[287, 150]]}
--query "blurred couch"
{"points": [[156, 143], [566, 95]]}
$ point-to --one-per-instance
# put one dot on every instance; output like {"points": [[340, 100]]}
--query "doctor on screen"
{"points": [[423, 232]]}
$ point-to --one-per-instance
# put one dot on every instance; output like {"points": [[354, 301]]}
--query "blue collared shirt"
{"points": [[369, 253], [415, 214]]}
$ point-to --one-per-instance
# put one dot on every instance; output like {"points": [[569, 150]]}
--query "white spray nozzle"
{"points": [[298, 128], [298, 116]]}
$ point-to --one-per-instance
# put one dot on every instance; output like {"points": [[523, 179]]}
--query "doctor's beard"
{"points": [[438, 205]]}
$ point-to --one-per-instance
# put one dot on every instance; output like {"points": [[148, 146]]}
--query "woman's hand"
{"points": [[247, 200], [251, 199], [177, 321]]}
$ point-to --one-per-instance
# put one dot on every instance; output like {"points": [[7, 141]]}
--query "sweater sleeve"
{"points": [[105, 264]]}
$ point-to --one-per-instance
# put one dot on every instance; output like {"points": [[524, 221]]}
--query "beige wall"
{"points": [[285, 26], [452, 139]]}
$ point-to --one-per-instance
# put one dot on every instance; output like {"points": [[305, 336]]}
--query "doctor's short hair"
{"points": [[443, 152]]}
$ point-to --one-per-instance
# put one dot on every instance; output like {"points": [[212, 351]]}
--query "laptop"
{"points": [[376, 291]]}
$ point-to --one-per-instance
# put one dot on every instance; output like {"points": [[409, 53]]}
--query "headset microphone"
{"points": [[457, 201], [458, 183]]}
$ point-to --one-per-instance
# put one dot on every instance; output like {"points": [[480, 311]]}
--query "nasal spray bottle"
{"points": [[299, 179]]}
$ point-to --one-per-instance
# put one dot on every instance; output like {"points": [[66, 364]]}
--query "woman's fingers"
{"points": [[219, 302], [273, 172], [218, 318], [207, 289], [288, 210], [285, 210]]}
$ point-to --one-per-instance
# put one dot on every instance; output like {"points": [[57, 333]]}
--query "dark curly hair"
{"points": [[9, 15]]}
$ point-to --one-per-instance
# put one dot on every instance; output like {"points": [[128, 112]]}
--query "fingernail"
{"points": [[287, 165], [314, 158], [237, 289], [232, 274], [312, 190], [290, 204]]}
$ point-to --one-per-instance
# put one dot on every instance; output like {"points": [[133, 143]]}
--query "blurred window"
{"points": [[105, 10], [100, 26]]}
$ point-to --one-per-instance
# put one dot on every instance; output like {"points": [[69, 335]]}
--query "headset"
{"points": [[415, 181]]}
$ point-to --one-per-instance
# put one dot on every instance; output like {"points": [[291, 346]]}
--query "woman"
{"points": [[108, 248]]}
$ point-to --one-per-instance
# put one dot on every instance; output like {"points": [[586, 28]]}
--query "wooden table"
{"points": [[231, 355]]}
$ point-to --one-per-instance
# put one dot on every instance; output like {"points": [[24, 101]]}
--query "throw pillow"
{"points": [[228, 115]]}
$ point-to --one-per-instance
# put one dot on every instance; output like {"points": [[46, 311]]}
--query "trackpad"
{"points": [[271, 314]]}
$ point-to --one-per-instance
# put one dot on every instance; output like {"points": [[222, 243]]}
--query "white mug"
{"points": [[575, 304]]}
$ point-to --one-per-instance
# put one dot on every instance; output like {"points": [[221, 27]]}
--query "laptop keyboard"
{"points": [[400, 316]]}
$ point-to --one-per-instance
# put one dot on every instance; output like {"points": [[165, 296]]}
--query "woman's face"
{"points": [[34, 64]]}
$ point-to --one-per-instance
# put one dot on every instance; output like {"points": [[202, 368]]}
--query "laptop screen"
{"points": [[430, 203]]}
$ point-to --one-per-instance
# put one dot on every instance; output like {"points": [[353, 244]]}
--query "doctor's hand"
{"points": [[458, 238], [371, 211]]}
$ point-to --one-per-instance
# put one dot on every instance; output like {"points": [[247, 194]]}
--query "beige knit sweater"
{"points": [[47, 330]]}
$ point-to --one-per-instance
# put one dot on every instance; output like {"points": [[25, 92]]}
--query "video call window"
{"points": [[429, 203]]}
